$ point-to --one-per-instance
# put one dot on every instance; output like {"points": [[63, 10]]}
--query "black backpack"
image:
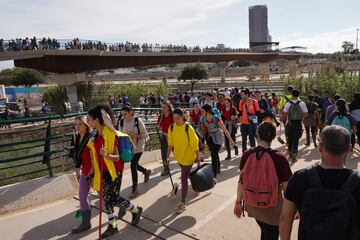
{"points": [[329, 214]]}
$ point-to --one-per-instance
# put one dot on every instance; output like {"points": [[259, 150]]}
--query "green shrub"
{"points": [[55, 96], [332, 79]]}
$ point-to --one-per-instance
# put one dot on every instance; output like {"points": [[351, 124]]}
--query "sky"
{"points": [[319, 25]]}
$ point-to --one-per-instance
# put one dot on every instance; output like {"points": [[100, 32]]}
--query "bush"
{"points": [[332, 79], [133, 91], [55, 96]]}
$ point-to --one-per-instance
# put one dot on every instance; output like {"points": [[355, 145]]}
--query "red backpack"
{"points": [[260, 181]]}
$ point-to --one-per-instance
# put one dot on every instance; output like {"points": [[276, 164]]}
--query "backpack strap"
{"points": [[172, 127], [187, 130], [215, 122], [136, 120], [121, 123], [313, 177], [352, 182], [286, 98]]}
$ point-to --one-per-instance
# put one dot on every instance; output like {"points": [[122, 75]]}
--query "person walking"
{"points": [[83, 166], [354, 108], [229, 117], [343, 118], [184, 143], [249, 112], [164, 121], [327, 196], [134, 127], [213, 128], [293, 114], [105, 156], [264, 174], [312, 121]]}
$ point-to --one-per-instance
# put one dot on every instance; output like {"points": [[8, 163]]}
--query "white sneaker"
{"points": [[180, 208]]}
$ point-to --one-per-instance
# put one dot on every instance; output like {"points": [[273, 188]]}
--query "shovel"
{"points": [[280, 140]]}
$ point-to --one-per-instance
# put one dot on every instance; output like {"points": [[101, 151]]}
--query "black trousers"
{"points": [[245, 132], [134, 166], [227, 143], [268, 232], [215, 159], [313, 133], [294, 133]]}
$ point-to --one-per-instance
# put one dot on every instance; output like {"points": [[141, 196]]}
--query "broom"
{"points": [[280, 140], [175, 186]]}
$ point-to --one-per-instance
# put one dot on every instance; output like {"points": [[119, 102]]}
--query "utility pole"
{"points": [[357, 39]]}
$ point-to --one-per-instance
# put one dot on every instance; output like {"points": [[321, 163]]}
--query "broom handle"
{"points": [[101, 198], [167, 164]]}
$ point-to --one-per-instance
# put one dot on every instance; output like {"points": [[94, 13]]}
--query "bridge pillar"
{"points": [[264, 71], [222, 66], [69, 81], [292, 68]]}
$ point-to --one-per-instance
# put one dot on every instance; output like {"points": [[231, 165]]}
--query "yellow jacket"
{"points": [[283, 101], [109, 138], [185, 147]]}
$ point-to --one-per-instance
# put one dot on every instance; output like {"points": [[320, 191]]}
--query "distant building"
{"points": [[259, 37]]}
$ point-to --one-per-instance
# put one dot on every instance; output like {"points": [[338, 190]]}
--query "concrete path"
{"points": [[208, 216]]}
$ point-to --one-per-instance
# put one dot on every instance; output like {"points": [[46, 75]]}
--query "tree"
{"points": [[55, 96], [21, 77], [193, 73], [347, 47]]}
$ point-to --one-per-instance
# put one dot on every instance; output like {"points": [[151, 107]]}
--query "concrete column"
{"points": [[264, 71], [222, 66], [292, 68], [69, 82]]}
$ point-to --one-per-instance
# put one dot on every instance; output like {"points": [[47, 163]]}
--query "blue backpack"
{"points": [[126, 147], [342, 121]]}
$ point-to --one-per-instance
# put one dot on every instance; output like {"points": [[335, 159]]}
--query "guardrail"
{"points": [[33, 151]]}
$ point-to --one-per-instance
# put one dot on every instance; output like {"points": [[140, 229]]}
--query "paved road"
{"points": [[208, 216]]}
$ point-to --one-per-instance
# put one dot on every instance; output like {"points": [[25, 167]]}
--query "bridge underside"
{"points": [[77, 61]]}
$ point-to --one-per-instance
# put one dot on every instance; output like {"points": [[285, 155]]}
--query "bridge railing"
{"points": [[83, 44]]}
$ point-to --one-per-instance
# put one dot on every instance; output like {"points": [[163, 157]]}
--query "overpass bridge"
{"points": [[71, 65]]}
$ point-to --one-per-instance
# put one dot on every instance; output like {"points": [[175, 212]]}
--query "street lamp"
{"points": [[357, 38]]}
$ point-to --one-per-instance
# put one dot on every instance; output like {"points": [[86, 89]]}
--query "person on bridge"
{"points": [[164, 121], [105, 156], [81, 156], [183, 141], [135, 127]]}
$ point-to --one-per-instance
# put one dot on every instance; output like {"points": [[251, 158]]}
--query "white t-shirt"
{"points": [[301, 104], [142, 100]]}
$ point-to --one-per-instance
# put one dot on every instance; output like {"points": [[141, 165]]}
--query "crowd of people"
{"points": [[23, 44], [267, 189]]}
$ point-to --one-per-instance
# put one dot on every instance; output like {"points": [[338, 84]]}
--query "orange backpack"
{"points": [[260, 181]]}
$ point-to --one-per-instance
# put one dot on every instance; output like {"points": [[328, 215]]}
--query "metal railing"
{"points": [[27, 152]]}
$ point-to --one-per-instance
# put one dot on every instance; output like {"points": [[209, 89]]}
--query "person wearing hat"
{"points": [[134, 127], [184, 143]]}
